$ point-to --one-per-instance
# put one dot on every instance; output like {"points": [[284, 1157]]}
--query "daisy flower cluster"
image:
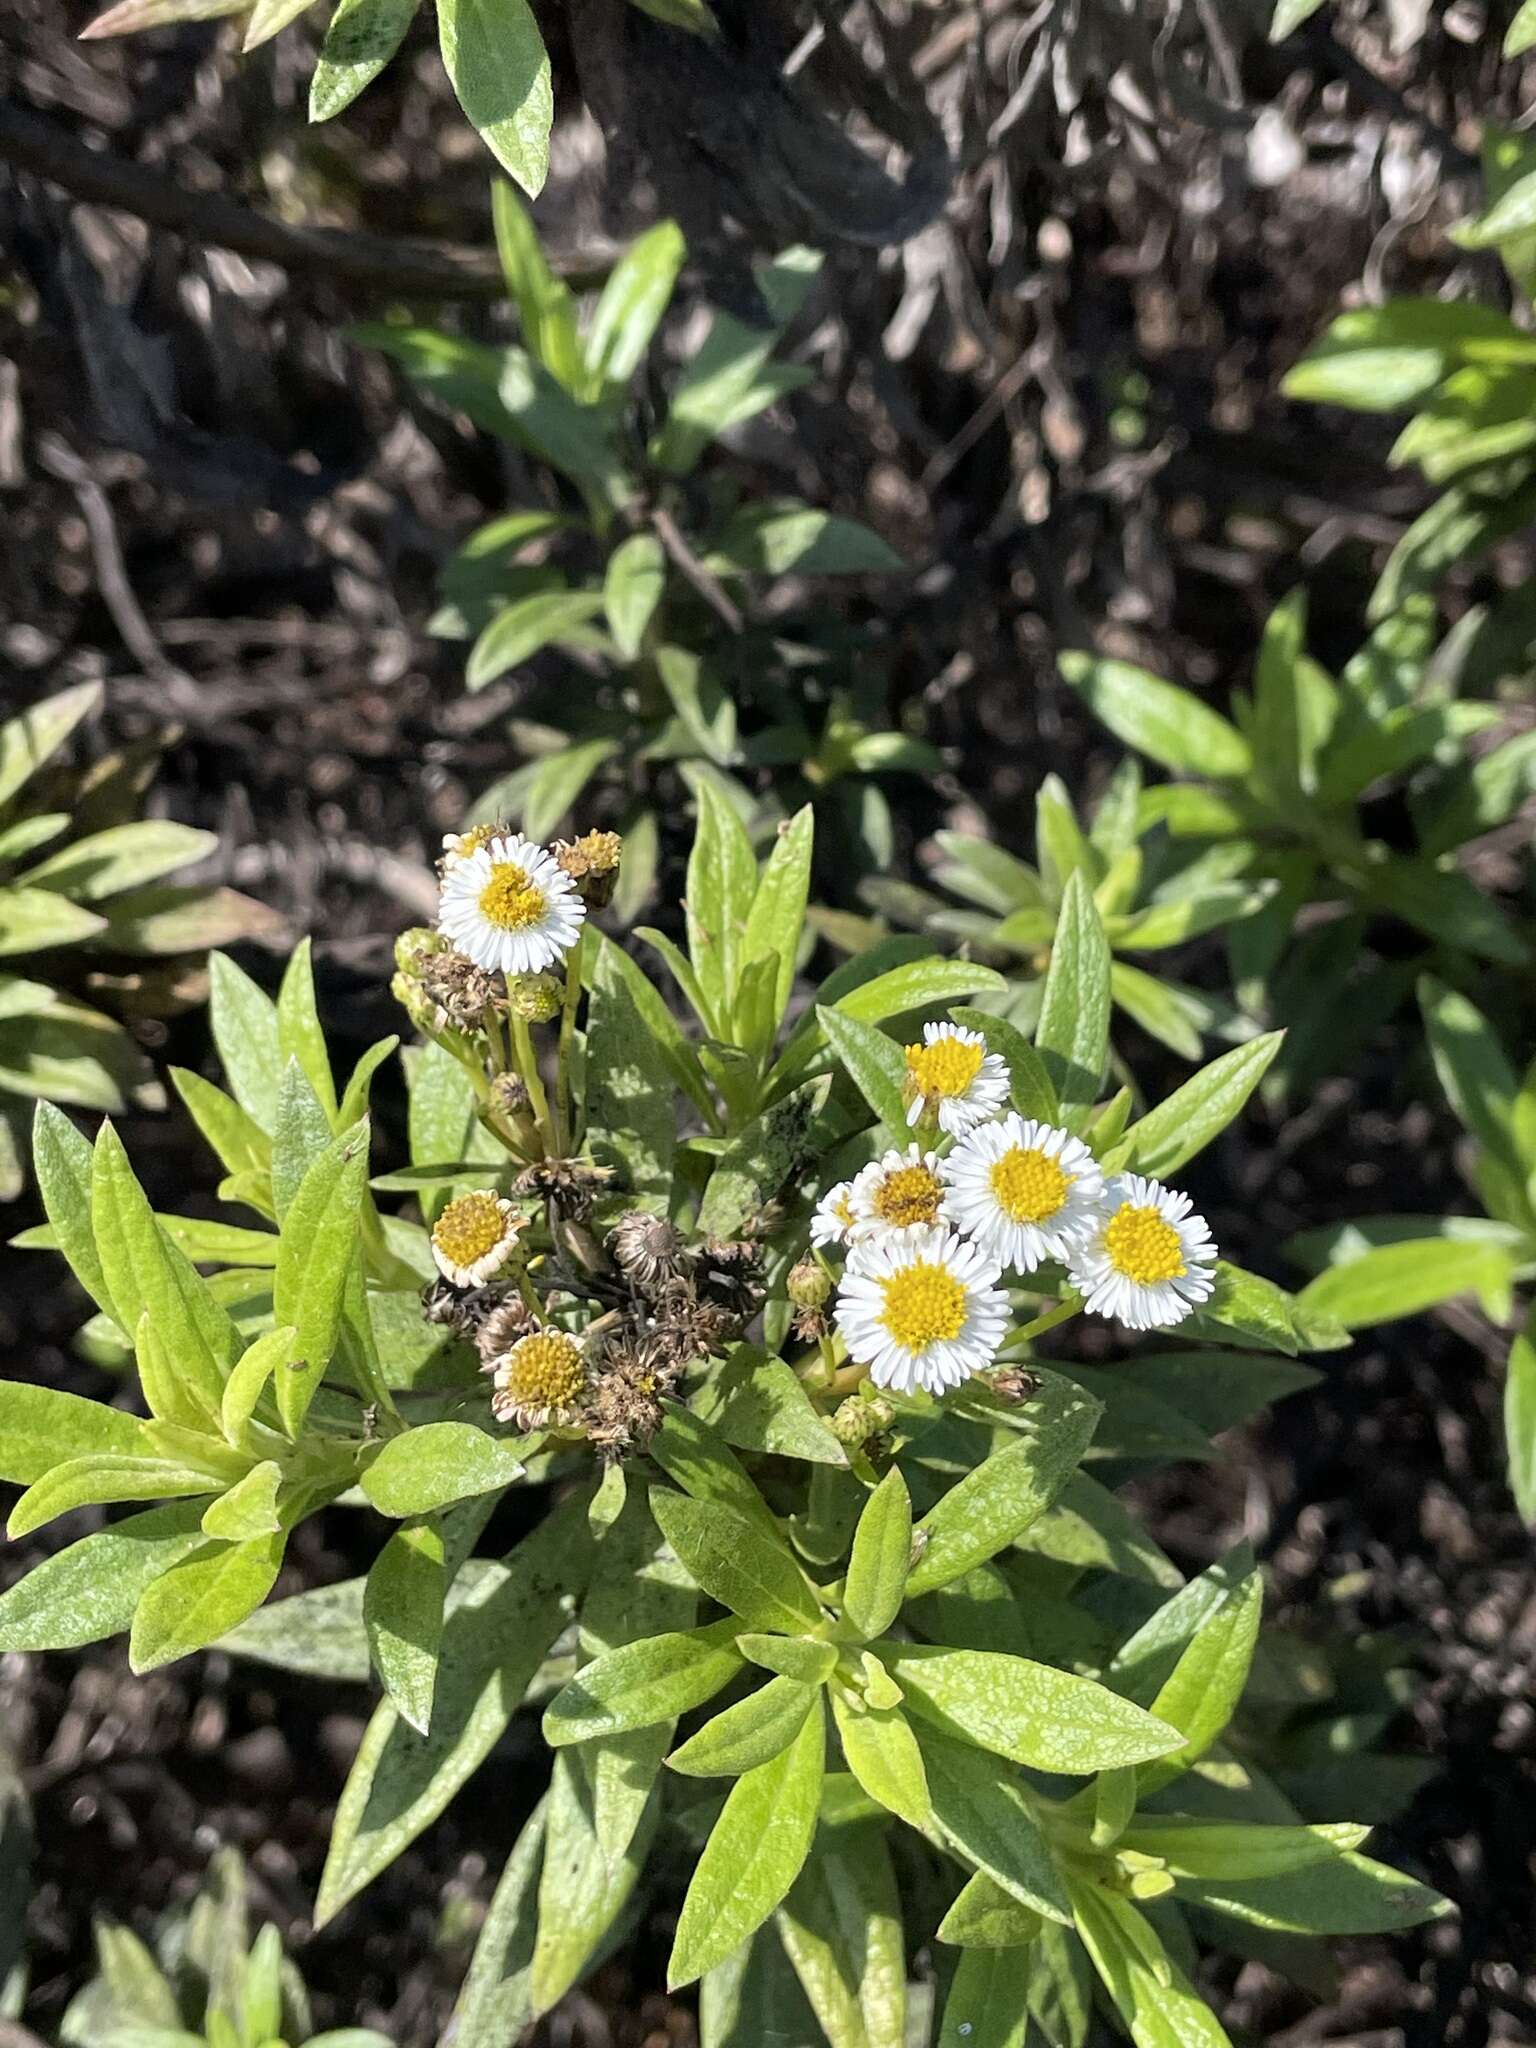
{"points": [[507, 904], [929, 1233]]}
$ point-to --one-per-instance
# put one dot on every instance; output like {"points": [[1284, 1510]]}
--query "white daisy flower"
{"points": [[510, 907], [951, 1075], [901, 1191], [1148, 1259], [833, 1218], [1024, 1191], [459, 846], [474, 1237], [921, 1308], [540, 1381]]}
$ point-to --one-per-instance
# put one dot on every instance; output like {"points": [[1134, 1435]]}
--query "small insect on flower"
{"points": [[509, 907], [921, 1308], [833, 1219], [952, 1076], [1024, 1191], [540, 1381], [900, 1191], [474, 1237], [1148, 1259]]}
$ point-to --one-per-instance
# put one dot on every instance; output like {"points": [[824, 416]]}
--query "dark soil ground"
{"points": [[1060, 405]]}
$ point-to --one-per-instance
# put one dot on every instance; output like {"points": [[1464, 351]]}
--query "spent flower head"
{"points": [[475, 1236], [592, 863]]}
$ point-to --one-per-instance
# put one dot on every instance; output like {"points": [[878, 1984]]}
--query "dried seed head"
{"points": [[571, 1184], [509, 1094], [453, 1309], [536, 998], [647, 1248], [624, 1408], [510, 1319], [810, 1325], [592, 862], [540, 1381], [461, 990]]}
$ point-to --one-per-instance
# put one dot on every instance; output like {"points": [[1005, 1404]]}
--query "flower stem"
{"points": [[1052, 1319], [528, 1067], [565, 1128]]}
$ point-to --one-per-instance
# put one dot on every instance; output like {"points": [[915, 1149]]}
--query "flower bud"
{"points": [[536, 998], [415, 1002], [416, 945], [858, 1420], [808, 1284]]}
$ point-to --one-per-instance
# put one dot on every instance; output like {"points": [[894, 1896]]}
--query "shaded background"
{"points": [[1068, 257]]}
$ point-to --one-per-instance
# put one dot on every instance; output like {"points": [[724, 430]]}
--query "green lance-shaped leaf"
{"points": [[735, 1562], [776, 1147], [1159, 719], [362, 37], [1158, 2004], [492, 1645], [496, 2003], [1072, 1037], [882, 1753], [403, 1615], [63, 1161], [753, 1855], [630, 305], [1201, 1693], [300, 1133], [100, 1478], [1048, 1719], [1347, 1894], [874, 1063], [583, 1889], [1234, 1853], [985, 1916], [1187, 1120], [841, 1926], [633, 581], [314, 1261], [41, 1427], [28, 741], [722, 881], [1395, 1280], [271, 1354], [749, 1733], [994, 1504], [882, 1553], [644, 1682], [1520, 1418], [987, 1816], [988, 2000], [801, 1657], [1030, 1085], [495, 56], [244, 1023], [300, 1034], [753, 1999], [146, 1275], [247, 1509], [89, 1591], [699, 1460], [631, 1116], [759, 1403], [437, 1463], [193, 1603], [776, 919]]}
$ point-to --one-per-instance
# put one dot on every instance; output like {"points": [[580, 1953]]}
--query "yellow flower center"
{"points": [[510, 901], [908, 1194], [924, 1304], [469, 1228], [944, 1069], [476, 837], [545, 1371], [1029, 1185], [1143, 1245]]}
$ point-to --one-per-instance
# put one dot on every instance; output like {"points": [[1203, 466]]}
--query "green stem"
{"points": [[564, 1125], [528, 1067], [1052, 1319]]}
